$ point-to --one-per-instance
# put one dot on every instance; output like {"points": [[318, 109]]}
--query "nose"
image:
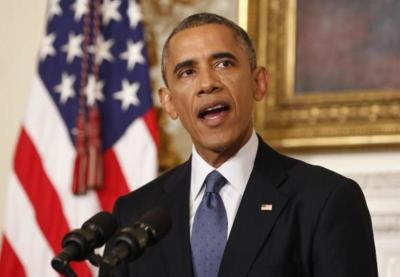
{"points": [[208, 81]]}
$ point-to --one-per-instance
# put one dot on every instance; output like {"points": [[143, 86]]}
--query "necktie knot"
{"points": [[215, 181]]}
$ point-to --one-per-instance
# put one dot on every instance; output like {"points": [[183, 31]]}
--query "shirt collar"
{"points": [[236, 170]]}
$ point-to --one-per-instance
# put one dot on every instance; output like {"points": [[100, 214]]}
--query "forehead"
{"points": [[201, 41]]}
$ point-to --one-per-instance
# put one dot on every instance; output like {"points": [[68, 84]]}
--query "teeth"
{"points": [[217, 108], [214, 108]]}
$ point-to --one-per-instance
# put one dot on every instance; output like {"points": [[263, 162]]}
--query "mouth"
{"points": [[213, 114]]}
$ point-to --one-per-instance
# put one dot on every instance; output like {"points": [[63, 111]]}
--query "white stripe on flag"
{"points": [[24, 235], [48, 133], [137, 154]]}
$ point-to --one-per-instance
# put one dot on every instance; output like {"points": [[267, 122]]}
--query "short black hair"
{"points": [[201, 19]]}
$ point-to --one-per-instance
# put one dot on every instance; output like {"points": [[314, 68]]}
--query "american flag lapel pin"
{"points": [[266, 207]]}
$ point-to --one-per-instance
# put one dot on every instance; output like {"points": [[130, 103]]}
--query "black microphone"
{"points": [[79, 244], [132, 240]]}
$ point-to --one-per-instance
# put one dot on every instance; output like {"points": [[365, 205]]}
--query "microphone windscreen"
{"points": [[158, 220], [104, 224]]}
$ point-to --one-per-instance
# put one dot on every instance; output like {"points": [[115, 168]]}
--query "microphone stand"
{"points": [[69, 272], [107, 273], [108, 270], [62, 266], [95, 259]]}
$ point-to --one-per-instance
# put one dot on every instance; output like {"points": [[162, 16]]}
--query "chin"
{"points": [[219, 145]]}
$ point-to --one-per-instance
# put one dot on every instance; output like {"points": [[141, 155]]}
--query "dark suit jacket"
{"points": [[319, 224]]}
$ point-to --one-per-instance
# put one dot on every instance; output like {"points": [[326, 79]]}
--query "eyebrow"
{"points": [[185, 63], [221, 55]]}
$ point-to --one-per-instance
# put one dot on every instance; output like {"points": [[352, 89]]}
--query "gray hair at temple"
{"points": [[201, 19]]}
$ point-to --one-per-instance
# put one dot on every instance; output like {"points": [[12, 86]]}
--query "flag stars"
{"points": [[54, 8], [80, 7], [65, 88], [73, 47], [102, 49], [109, 10], [133, 54], [94, 91], [134, 14], [47, 48], [128, 94]]}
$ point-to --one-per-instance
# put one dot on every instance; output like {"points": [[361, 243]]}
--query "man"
{"points": [[239, 208]]}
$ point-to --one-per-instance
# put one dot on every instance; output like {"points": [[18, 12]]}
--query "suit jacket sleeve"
{"points": [[343, 242]]}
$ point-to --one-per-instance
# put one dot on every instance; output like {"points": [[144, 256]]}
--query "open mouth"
{"points": [[213, 111]]}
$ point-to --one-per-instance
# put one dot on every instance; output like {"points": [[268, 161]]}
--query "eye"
{"points": [[186, 73], [224, 64]]}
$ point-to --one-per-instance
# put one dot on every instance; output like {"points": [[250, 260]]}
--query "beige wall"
{"points": [[21, 29]]}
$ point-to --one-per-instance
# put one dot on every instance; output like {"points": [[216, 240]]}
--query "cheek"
{"points": [[245, 110], [182, 85], [242, 93], [183, 106]]}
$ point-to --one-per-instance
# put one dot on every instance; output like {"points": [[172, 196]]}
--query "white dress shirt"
{"points": [[236, 171]]}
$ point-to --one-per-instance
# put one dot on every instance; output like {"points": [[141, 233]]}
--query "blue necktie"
{"points": [[209, 231]]}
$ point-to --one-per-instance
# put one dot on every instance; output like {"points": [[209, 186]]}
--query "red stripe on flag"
{"points": [[9, 262], [44, 199], [150, 118], [115, 184]]}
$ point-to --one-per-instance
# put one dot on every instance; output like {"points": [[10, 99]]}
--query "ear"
{"points": [[260, 75], [166, 102]]}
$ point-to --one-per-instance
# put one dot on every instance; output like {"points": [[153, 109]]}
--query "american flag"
{"points": [[92, 59]]}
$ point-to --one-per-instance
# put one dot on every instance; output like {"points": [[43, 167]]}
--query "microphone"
{"points": [[132, 240], [79, 244]]}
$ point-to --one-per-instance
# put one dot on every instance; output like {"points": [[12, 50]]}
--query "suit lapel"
{"points": [[252, 226], [176, 246]]}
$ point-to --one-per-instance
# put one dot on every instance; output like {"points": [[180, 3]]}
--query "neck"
{"points": [[216, 157]]}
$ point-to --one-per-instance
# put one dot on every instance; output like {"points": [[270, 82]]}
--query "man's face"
{"points": [[211, 88]]}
